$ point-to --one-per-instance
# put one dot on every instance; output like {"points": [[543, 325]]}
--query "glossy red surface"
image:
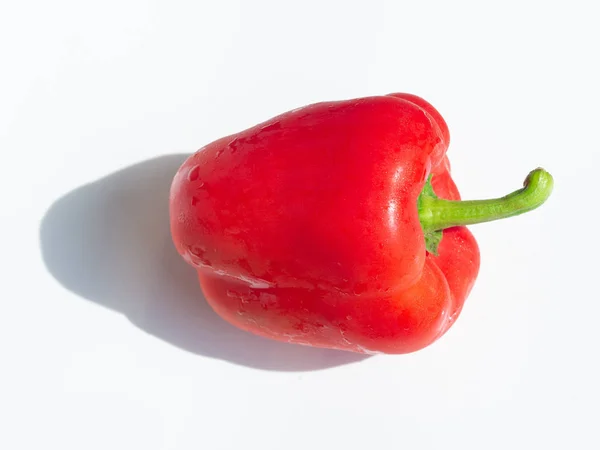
{"points": [[305, 227]]}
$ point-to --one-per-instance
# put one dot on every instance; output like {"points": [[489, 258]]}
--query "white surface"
{"points": [[98, 100]]}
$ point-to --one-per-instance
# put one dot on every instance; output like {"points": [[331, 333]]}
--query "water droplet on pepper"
{"points": [[194, 173]]}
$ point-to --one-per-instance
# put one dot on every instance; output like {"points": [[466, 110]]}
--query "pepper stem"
{"points": [[437, 214]]}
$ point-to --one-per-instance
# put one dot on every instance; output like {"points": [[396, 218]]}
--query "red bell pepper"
{"points": [[337, 225]]}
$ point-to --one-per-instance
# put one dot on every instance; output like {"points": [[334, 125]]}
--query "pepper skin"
{"points": [[309, 228]]}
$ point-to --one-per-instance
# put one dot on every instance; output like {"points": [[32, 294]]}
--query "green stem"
{"points": [[437, 214]]}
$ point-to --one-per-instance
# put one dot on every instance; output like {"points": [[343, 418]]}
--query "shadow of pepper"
{"points": [[109, 242]]}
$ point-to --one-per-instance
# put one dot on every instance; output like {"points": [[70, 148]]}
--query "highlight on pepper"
{"points": [[337, 225]]}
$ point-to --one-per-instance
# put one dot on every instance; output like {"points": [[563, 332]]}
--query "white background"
{"points": [[104, 338]]}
